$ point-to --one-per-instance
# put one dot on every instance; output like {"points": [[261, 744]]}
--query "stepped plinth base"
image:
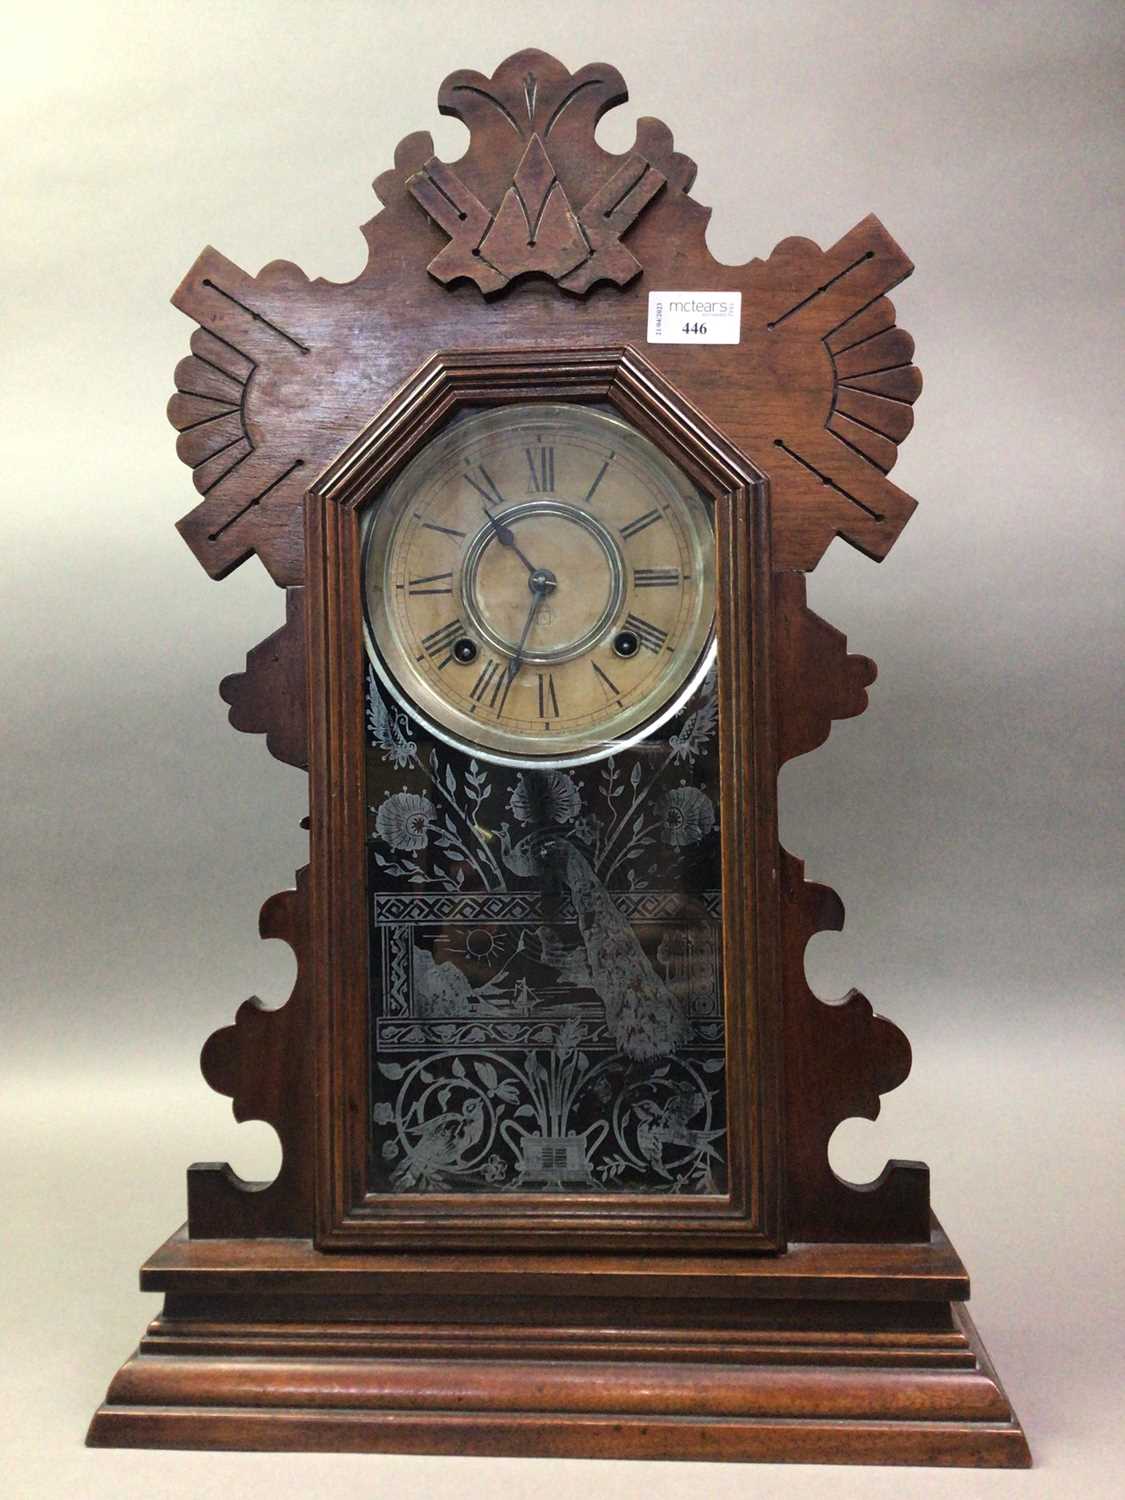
{"points": [[830, 1354]]}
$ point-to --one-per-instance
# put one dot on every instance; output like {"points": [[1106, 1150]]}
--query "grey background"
{"points": [[971, 819]]}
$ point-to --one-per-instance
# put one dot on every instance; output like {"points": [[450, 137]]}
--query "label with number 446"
{"points": [[694, 317]]}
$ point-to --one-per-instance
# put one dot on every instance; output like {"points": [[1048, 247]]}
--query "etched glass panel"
{"points": [[546, 965]]}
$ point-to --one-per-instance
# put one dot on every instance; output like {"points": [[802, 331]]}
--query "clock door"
{"points": [[546, 1009]]}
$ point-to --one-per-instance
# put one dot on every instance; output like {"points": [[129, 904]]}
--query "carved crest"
{"points": [[538, 110]]}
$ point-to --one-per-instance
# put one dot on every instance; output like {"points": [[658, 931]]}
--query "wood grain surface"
{"points": [[522, 271]]}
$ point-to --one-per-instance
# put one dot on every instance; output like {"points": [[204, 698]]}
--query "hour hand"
{"points": [[504, 534], [507, 538]]}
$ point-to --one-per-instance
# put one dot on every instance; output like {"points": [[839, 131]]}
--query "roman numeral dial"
{"points": [[640, 523], [650, 636], [541, 466], [657, 578], [539, 583]]}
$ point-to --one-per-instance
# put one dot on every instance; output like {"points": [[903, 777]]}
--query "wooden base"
{"points": [[830, 1354]]}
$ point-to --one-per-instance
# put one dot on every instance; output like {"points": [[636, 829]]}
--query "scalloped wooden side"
{"points": [[269, 697], [817, 681], [264, 1063], [839, 1056]]}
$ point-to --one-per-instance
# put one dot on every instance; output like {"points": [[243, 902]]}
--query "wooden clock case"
{"points": [[798, 1317]]}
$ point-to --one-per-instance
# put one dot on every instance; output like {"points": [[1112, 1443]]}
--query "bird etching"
{"points": [[644, 1017], [441, 1143], [668, 1124]]}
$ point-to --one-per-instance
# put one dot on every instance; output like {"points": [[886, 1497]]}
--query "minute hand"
{"points": [[538, 595]]}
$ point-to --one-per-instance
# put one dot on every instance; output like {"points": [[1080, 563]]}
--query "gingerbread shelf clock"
{"points": [[554, 1097]]}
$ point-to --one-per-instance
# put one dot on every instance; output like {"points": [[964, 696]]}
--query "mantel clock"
{"points": [[554, 1097]]}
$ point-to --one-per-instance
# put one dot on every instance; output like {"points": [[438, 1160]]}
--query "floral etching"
{"points": [[551, 797], [546, 970], [404, 820]]}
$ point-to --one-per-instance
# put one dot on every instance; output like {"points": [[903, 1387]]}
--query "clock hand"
{"points": [[507, 538], [517, 660], [541, 583]]}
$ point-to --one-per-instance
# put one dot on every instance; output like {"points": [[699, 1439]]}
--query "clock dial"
{"points": [[539, 584]]}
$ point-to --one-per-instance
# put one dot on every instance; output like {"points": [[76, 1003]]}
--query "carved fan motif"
{"points": [[834, 464], [252, 491], [208, 409], [876, 383]]}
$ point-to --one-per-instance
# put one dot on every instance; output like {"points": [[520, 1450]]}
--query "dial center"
{"points": [[563, 557]]}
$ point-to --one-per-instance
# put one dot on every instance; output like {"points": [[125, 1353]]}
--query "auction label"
{"points": [[694, 317]]}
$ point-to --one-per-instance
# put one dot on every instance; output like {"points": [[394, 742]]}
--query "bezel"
{"points": [[491, 743], [747, 1216]]}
